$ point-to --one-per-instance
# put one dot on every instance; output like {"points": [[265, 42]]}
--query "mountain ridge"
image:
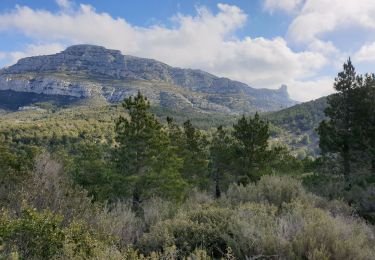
{"points": [[85, 71]]}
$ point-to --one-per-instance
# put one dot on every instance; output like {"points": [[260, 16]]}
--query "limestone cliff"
{"points": [[86, 71]]}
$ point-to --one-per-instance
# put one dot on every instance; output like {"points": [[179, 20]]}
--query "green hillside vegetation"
{"points": [[131, 181], [302, 117], [296, 126]]}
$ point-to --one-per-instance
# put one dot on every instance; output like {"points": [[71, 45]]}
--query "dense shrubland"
{"points": [[50, 217], [137, 187]]}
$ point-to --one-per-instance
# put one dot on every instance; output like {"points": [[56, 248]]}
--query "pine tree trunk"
{"points": [[346, 163], [217, 185], [136, 200]]}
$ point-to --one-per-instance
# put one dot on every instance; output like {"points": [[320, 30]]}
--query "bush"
{"points": [[312, 233], [275, 218], [33, 235], [50, 188], [203, 228], [363, 199], [41, 235], [253, 229], [156, 210], [120, 222], [278, 190], [271, 189]]}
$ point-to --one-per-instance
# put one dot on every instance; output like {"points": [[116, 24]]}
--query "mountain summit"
{"points": [[86, 71]]}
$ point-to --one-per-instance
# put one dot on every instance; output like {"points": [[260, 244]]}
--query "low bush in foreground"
{"points": [[274, 218]]}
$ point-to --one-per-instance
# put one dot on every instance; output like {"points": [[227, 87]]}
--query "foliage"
{"points": [[221, 155], [33, 235], [288, 224], [204, 228], [251, 150], [336, 134], [349, 134], [195, 154], [143, 155]]}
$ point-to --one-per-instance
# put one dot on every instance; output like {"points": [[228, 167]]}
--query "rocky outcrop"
{"points": [[49, 85], [86, 71]]}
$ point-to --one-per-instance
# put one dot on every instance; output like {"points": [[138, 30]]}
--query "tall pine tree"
{"points": [[221, 158], [365, 119], [251, 136], [195, 155], [338, 135], [144, 155]]}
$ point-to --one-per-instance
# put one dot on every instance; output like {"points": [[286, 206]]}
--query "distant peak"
{"points": [[89, 48], [84, 46], [283, 88]]}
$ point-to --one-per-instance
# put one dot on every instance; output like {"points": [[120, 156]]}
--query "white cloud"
{"points": [[64, 4], [366, 53], [283, 5], [2, 55], [319, 17], [324, 47], [205, 41], [34, 50], [311, 89], [262, 62]]}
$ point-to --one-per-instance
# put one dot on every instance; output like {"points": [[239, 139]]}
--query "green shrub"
{"points": [[253, 229], [271, 189], [121, 222], [50, 188], [33, 235], [278, 189], [202, 228], [275, 218], [156, 210], [312, 233]]}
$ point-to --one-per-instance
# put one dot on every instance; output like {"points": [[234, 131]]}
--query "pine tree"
{"points": [[144, 155], [221, 158], [195, 155], [364, 119], [176, 137], [251, 146], [338, 135], [139, 137]]}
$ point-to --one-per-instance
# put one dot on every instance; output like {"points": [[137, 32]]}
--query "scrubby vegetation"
{"points": [[50, 217], [115, 182]]}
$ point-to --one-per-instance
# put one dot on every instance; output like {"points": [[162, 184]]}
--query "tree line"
{"points": [[151, 158]]}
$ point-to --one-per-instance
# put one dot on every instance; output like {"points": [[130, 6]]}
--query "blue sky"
{"points": [[265, 43]]}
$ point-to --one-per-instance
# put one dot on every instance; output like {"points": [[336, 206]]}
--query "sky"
{"points": [[264, 43]]}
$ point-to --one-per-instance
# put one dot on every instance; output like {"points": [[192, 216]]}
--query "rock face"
{"points": [[86, 71]]}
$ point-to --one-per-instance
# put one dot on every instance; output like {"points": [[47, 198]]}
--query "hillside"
{"points": [[88, 71], [293, 126], [302, 117], [296, 126]]}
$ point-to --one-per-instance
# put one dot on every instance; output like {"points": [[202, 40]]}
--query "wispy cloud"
{"points": [[319, 17], [64, 4], [366, 53], [2, 55], [283, 5], [34, 50]]}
